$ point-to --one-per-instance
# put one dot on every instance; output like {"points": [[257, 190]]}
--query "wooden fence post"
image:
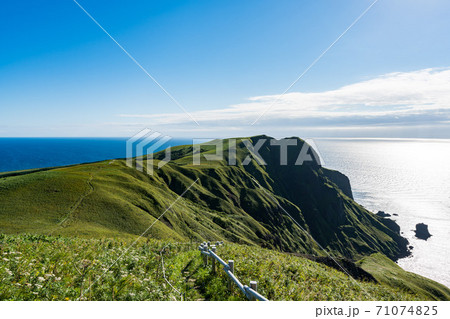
{"points": [[230, 282], [213, 248], [254, 286]]}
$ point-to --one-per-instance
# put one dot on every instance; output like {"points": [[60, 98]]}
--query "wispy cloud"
{"points": [[401, 98]]}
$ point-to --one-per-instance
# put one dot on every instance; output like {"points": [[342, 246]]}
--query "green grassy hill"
{"points": [[112, 199], [238, 203]]}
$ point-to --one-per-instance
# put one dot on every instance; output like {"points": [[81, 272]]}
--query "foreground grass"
{"points": [[286, 277], [57, 268]]}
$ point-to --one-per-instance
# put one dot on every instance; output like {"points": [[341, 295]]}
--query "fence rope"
{"points": [[164, 272]]}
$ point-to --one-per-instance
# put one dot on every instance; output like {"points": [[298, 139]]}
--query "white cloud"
{"points": [[396, 98]]}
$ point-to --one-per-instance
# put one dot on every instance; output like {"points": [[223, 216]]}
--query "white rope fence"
{"points": [[209, 251], [164, 272]]}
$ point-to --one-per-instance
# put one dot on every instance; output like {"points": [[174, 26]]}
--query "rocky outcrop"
{"points": [[391, 224], [422, 231], [382, 214]]}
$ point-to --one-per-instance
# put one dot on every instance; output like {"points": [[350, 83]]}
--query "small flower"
{"points": [[38, 286], [5, 259], [41, 278]]}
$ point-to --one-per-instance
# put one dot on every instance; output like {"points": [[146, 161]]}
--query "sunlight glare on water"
{"points": [[407, 177]]}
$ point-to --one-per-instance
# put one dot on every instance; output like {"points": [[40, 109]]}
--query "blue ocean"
{"points": [[26, 153]]}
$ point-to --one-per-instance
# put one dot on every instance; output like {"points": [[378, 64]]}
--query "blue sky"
{"points": [[225, 62]]}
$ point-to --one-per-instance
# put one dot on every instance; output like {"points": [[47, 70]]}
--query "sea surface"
{"points": [[26, 153], [407, 177]]}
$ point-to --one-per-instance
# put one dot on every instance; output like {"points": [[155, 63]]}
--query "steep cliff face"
{"points": [[248, 202], [340, 180], [320, 200]]}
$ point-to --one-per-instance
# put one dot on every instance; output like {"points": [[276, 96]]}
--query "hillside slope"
{"points": [[389, 273], [238, 203]]}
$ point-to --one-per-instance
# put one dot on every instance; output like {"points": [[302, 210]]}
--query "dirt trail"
{"points": [[80, 200]]}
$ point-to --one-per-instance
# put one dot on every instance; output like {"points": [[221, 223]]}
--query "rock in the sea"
{"points": [[410, 247], [422, 231], [383, 214], [395, 214]]}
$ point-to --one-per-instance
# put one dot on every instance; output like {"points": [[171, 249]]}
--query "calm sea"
{"points": [[410, 178], [26, 153]]}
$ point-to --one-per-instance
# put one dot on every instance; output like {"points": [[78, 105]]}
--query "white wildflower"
{"points": [[41, 278]]}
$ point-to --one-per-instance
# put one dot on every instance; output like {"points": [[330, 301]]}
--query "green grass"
{"points": [[57, 268], [387, 272]]}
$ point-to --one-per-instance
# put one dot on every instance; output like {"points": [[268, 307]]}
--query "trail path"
{"points": [[80, 200]]}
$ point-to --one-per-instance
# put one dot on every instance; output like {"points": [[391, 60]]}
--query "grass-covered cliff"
{"points": [[243, 204], [112, 199]]}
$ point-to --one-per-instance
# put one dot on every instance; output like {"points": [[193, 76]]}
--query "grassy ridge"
{"points": [[110, 199], [56, 268]]}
